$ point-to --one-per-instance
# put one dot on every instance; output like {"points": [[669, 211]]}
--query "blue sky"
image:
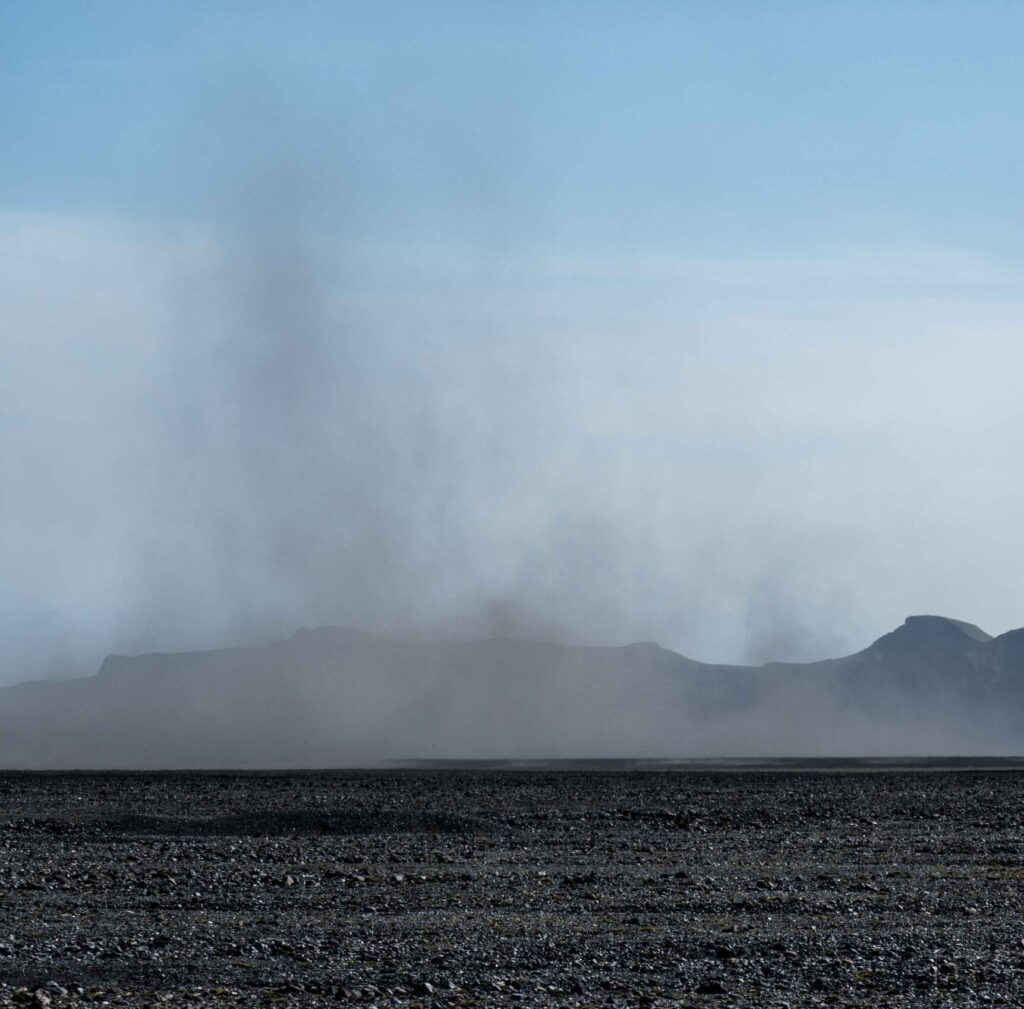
{"points": [[684, 126], [607, 321]]}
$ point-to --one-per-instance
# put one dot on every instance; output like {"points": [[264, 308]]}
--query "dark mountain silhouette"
{"points": [[333, 696]]}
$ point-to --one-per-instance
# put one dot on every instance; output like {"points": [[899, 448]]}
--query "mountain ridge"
{"points": [[328, 696], [117, 662]]}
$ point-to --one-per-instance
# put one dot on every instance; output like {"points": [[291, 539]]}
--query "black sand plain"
{"points": [[858, 884]]}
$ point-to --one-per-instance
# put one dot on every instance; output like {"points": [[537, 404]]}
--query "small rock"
{"points": [[724, 952], [710, 987]]}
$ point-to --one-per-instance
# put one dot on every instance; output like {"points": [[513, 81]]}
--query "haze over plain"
{"points": [[594, 323]]}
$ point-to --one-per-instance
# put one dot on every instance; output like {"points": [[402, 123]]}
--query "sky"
{"points": [[595, 321]]}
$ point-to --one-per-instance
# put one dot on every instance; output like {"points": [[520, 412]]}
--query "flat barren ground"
{"points": [[484, 887]]}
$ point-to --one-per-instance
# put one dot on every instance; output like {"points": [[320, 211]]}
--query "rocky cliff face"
{"points": [[333, 696]]}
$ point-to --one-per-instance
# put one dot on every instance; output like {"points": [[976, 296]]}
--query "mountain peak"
{"points": [[928, 638], [946, 625]]}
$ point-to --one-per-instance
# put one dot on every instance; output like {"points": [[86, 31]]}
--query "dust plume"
{"points": [[279, 412]]}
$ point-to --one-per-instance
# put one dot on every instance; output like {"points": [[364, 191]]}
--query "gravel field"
{"points": [[502, 887]]}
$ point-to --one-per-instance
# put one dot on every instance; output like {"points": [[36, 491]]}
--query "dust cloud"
{"points": [[267, 415]]}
